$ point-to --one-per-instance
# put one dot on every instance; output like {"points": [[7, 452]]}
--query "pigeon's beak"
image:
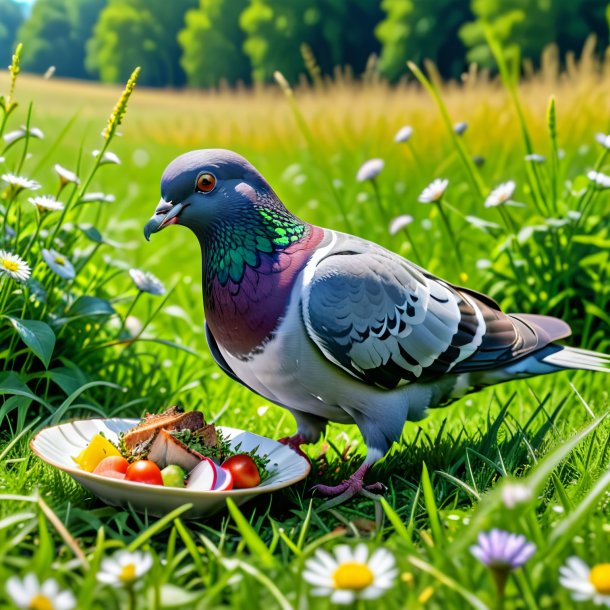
{"points": [[165, 214]]}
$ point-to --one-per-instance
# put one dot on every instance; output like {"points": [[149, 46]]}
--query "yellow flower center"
{"points": [[128, 573], [40, 602], [599, 577], [10, 265], [60, 260], [353, 575]]}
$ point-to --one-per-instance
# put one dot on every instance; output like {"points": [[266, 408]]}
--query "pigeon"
{"points": [[334, 327]]}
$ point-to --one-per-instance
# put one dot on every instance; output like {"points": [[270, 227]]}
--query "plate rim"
{"points": [[159, 489]]}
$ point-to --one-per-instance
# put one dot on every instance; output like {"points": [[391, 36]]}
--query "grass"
{"points": [[445, 476]]}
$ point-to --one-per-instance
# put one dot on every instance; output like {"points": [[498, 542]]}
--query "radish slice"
{"points": [[224, 482], [203, 476]]}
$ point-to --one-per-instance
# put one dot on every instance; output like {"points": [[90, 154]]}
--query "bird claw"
{"points": [[348, 489]]}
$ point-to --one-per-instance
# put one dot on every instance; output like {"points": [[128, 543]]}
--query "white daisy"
{"points": [[17, 134], [369, 170], [350, 574], [107, 157], [585, 583], [147, 282], [501, 194], [400, 222], [514, 494], [59, 264], [124, 568], [19, 182], [14, 266], [46, 203], [603, 139], [93, 197], [434, 191], [403, 134], [65, 175], [535, 158], [600, 179], [29, 593]]}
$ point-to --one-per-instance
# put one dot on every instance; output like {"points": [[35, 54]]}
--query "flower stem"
{"points": [[450, 232]]}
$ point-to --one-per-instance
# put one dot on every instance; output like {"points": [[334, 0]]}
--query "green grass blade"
{"points": [[253, 541]]}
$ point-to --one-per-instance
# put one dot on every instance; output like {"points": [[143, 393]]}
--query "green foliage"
{"points": [[11, 18], [212, 44], [416, 31], [138, 32], [530, 26], [56, 34]]}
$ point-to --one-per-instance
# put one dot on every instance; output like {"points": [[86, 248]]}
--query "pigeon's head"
{"points": [[203, 185]]}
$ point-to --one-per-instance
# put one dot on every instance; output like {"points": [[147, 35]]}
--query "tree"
{"points": [[212, 44], [416, 31], [142, 33], [275, 30], [56, 34], [11, 18], [531, 26]]}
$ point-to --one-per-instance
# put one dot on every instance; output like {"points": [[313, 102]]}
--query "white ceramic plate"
{"points": [[59, 444]]}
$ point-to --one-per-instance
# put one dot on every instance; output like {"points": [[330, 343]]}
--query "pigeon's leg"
{"points": [[377, 446], [309, 429]]}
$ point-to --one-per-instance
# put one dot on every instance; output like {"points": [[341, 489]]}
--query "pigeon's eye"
{"points": [[206, 182]]}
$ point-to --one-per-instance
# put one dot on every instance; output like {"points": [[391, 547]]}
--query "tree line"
{"points": [[204, 43]]}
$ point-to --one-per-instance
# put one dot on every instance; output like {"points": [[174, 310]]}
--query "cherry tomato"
{"points": [[144, 471], [243, 470], [112, 466]]}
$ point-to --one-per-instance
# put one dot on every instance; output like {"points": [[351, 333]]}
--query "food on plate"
{"points": [[144, 471], [175, 449], [173, 476], [243, 470], [99, 448], [112, 466]]}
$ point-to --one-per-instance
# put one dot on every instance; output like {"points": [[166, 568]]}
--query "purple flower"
{"points": [[502, 550]]}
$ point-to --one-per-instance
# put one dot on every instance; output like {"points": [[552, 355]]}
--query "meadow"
{"points": [[449, 479]]}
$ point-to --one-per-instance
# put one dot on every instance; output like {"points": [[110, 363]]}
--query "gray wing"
{"points": [[388, 322]]}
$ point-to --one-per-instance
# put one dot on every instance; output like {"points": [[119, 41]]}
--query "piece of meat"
{"points": [[167, 449], [208, 435], [173, 419]]}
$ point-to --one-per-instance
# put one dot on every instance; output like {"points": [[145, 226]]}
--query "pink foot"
{"points": [[349, 488], [294, 442]]}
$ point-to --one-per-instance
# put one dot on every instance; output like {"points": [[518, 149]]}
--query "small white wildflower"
{"points": [[600, 180], [585, 583], [369, 170], [59, 264], [403, 134], [350, 574], [19, 182], [603, 139], [14, 266], [460, 127], [535, 158], [46, 203], [17, 134], [434, 191], [50, 71], [501, 194], [65, 175], [147, 282], [103, 197], [107, 157], [124, 568], [514, 494], [400, 222], [32, 595]]}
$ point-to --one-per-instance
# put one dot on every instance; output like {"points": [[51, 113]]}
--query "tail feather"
{"points": [[575, 358]]}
